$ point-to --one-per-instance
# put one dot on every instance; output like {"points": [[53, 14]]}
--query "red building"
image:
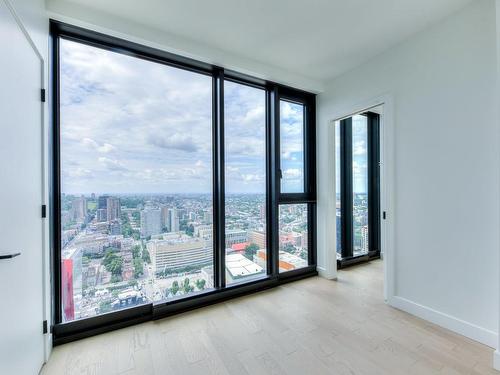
{"points": [[67, 290]]}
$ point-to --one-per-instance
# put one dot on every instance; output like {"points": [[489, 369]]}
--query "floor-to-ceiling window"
{"points": [[294, 213], [136, 181], [357, 185], [175, 183], [245, 179]]}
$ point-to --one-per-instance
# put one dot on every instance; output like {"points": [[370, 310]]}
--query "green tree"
{"points": [[200, 284], [190, 230], [133, 283], [145, 256], [127, 230], [289, 248], [105, 306], [251, 250], [113, 262], [116, 278], [136, 250], [174, 288], [138, 267], [186, 287]]}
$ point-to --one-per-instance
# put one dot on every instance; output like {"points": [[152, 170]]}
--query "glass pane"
{"points": [[337, 189], [360, 183], [245, 157], [293, 237], [292, 147], [136, 180]]}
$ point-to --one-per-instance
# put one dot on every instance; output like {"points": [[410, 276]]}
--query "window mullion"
{"points": [[274, 180], [346, 193], [373, 183], [219, 183]]}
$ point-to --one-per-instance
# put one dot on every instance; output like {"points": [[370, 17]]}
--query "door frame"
{"points": [[387, 191], [44, 198]]}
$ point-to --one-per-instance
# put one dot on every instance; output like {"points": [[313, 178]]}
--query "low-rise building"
{"points": [[180, 252]]}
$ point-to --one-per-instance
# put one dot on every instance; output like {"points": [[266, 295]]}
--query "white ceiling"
{"points": [[316, 39]]}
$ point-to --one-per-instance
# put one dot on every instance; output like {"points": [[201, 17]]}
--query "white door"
{"points": [[21, 277]]}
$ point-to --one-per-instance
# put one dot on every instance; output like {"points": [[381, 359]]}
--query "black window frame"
{"points": [[346, 190], [308, 196], [69, 331]]}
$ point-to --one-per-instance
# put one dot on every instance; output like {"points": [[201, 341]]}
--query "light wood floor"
{"points": [[313, 326]]}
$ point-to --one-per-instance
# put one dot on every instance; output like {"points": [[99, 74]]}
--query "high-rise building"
{"points": [[164, 218], [150, 222], [102, 201], [101, 215], [68, 304], [79, 208], [114, 208], [173, 220], [208, 216]]}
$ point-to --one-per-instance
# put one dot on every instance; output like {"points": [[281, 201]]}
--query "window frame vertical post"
{"points": [[219, 234], [55, 172], [346, 194], [373, 183]]}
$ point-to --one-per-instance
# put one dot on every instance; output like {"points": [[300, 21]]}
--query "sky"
{"points": [[131, 126], [359, 155]]}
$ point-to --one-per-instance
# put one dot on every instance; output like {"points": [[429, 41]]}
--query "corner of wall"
{"points": [[496, 360]]}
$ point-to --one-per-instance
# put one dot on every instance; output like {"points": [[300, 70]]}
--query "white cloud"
{"points": [[181, 142], [130, 125], [92, 144], [252, 177], [111, 164], [105, 148], [292, 174], [359, 148]]}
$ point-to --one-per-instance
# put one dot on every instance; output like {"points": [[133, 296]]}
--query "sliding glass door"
{"points": [[358, 192]]}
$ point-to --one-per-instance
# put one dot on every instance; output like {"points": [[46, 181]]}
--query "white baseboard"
{"points": [[480, 334], [496, 360]]}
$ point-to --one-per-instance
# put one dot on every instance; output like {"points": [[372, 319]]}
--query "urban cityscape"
{"points": [[136, 177], [360, 224], [119, 251]]}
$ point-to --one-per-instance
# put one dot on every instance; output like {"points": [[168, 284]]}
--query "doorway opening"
{"points": [[357, 179]]}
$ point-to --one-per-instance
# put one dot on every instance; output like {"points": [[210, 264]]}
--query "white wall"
{"points": [[122, 28], [446, 176]]}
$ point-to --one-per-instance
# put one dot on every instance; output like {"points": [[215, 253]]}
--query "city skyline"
{"points": [[121, 251]]}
